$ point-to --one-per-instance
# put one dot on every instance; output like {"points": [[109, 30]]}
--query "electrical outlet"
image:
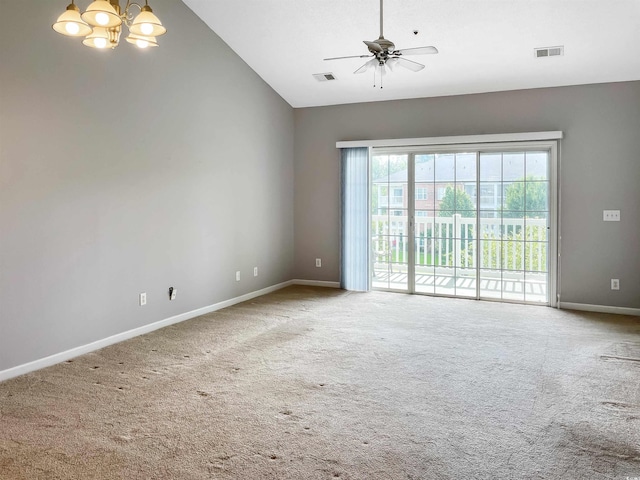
{"points": [[255, 271], [611, 215], [143, 299], [172, 293], [615, 284], [238, 276], [318, 262]]}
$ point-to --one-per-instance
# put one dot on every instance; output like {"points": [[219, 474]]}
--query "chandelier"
{"points": [[101, 24]]}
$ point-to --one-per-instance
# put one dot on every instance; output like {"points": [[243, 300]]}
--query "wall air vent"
{"points": [[324, 77], [549, 52]]}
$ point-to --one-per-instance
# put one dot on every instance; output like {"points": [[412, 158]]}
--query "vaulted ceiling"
{"points": [[484, 45]]}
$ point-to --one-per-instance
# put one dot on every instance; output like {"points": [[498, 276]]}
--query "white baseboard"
{"points": [[600, 308], [316, 283], [120, 337]]}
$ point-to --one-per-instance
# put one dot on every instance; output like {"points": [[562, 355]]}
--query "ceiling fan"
{"points": [[383, 54]]}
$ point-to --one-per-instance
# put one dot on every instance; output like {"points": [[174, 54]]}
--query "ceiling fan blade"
{"points": [[410, 64], [352, 56], [416, 51], [367, 66], [373, 46]]}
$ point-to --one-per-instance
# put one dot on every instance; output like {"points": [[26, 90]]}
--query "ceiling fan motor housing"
{"points": [[387, 47], [385, 44]]}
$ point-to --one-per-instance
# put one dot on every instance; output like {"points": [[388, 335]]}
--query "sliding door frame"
{"points": [[551, 146]]}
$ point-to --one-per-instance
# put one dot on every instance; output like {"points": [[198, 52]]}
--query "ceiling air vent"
{"points": [[324, 77], [548, 52]]}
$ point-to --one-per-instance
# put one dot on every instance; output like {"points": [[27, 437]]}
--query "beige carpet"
{"points": [[310, 383]]}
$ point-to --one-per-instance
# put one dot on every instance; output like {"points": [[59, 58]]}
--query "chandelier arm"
{"points": [[127, 16]]}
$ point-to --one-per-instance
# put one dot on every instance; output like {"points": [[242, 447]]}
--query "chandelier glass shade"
{"points": [[71, 24], [147, 24], [142, 41], [101, 24], [99, 38], [102, 14]]}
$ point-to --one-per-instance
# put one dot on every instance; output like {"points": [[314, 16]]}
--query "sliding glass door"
{"points": [[445, 220], [465, 222], [390, 221], [514, 211]]}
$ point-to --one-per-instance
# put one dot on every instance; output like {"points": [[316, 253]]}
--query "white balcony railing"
{"points": [[518, 244], [385, 201]]}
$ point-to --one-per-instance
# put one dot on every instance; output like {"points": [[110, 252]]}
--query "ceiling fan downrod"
{"points": [[381, 18]]}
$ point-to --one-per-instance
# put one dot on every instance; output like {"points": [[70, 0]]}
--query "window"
{"points": [[396, 197], [470, 189], [421, 193], [489, 196], [383, 198], [441, 192]]}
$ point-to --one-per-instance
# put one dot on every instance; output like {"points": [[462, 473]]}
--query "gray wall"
{"points": [[600, 164], [130, 171]]}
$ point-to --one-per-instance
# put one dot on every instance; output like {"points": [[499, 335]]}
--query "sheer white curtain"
{"points": [[354, 271]]}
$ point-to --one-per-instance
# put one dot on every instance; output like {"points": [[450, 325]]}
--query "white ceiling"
{"points": [[485, 45]]}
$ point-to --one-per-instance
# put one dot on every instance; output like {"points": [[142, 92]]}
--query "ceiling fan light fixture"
{"points": [[373, 63]]}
